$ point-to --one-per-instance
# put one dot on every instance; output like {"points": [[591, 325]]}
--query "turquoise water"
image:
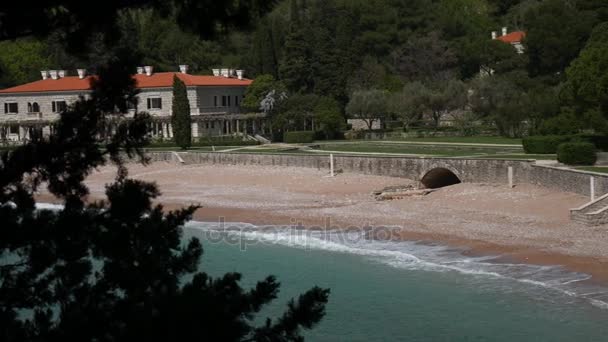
{"points": [[404, 291]]}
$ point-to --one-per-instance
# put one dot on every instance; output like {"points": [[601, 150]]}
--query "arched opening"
{"points": [[438, 178]]}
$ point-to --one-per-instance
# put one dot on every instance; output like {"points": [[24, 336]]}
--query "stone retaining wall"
{"points": [[468, 170]]}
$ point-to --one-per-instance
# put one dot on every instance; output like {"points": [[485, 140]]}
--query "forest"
{"points": [[408, 64]]}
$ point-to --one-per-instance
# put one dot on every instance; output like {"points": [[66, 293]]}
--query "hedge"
{"points": [[576, 153], [299, 137], [546, 144]]}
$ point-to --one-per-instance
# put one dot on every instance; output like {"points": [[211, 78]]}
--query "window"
{"points": [[224, 101], [59, 106], [13, 130], [236, 100], [33, 107], [215, 101], [155, 103], [11, 108], [229, 101]]}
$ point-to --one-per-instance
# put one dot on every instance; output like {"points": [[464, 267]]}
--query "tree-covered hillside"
{"points": [[332, 49]]}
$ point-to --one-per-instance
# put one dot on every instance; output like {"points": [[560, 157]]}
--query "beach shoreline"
{"points": [[527, 224]]}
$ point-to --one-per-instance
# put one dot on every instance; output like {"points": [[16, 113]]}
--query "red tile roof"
{"points": [[513, 37], [157, 80]]}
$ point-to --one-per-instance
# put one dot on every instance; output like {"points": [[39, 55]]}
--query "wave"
{"points": [[412, 255]]}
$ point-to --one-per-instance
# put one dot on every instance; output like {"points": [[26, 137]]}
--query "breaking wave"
{"points": [[554, 281]]}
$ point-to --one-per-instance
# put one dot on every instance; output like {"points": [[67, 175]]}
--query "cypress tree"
{"points": [[180, 117]]}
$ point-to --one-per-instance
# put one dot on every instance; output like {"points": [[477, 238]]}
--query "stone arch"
{"points": [[439, 177]]}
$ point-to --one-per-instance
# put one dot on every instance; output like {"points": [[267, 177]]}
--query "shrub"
{"points": [[546, 144], [576, 153], [600, 141], [296, 137]]}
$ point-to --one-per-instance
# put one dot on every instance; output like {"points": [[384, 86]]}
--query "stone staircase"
{"points": [[594, 213]]}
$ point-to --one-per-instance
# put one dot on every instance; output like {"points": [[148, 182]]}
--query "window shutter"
{"points": [[149, 104], [5, 108], [160, 103], [54, 107]]}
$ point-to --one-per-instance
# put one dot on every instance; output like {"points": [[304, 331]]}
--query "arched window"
{"points": [[29, 107], [35, 107]]}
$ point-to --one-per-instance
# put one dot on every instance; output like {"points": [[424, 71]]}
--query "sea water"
{"points": [[408, 291]]}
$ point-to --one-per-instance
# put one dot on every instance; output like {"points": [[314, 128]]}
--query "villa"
{"points": [[214, 102], [514, 38]]}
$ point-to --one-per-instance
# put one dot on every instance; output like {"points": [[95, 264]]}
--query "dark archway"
{"points": [[438, 178]]}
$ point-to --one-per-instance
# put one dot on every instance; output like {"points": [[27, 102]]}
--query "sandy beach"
{"points": [[527, 223]]}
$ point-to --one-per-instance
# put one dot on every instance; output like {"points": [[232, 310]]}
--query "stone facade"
{"points": [[215, 111]]}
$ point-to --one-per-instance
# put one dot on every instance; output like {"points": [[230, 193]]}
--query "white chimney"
{"points": [[45, 74], [81, 73], [225, 72], [183, 68], [504, 31], [240, 74], [53, 74], [494, 34], [216, 72], [61, 73], [140, 70], [148, 69]]}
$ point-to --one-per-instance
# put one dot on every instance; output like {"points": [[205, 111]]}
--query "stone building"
{"points": [[214, 102]]}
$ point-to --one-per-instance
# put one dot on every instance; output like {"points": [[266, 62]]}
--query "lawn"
{"points": [[468, 140], [521, 156], [429, 150]]}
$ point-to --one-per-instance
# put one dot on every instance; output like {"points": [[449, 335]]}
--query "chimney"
{"points": [[183, 68], [225, 72], [53, 74], [148, 69], [494, 34], [216, 72], [239, 74], [45, 74], [81, 73], [61, 73], [140, 70], [504, 31]]}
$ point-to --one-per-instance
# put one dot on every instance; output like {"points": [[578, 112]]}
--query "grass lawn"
{"points": [[599, 169], [444, 151], [468, 140], [522, 156]]}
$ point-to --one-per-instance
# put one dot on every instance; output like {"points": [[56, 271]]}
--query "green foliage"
{"points": [[546, 144], [255, 93], [556, 32], [181, 121], [163, 44], [299, 137], [368, 105], [576, 153], [22, 60], [504, 100], [586, 88], [328, 117]]}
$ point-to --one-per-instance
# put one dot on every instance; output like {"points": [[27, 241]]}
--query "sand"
{"points": [[527, 223]]}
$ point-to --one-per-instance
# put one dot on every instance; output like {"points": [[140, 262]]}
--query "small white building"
{"points": [[214, 102], [514, 38]]}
